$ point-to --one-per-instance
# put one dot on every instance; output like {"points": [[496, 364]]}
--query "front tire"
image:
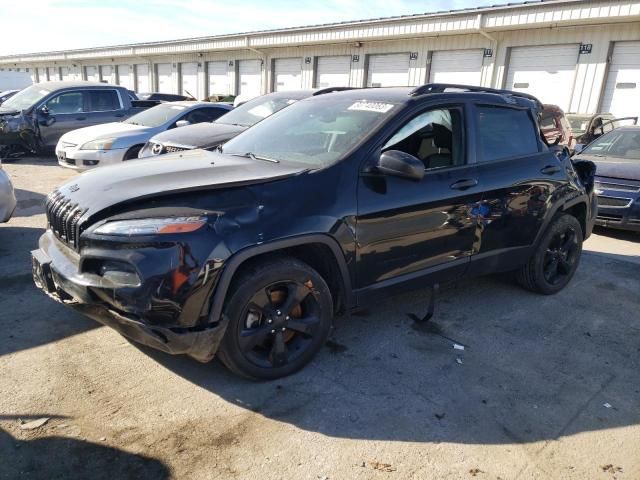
{"points": [[280, 313], [555, 259]]}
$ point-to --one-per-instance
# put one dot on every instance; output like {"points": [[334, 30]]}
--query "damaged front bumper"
{"points": [[55, 271], [19, 133]]}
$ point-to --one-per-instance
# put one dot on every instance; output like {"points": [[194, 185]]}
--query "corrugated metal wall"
{"points": [[591, 69]]}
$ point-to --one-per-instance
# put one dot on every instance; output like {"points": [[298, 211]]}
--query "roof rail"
{"points": [[441, 87], [322, 91]]}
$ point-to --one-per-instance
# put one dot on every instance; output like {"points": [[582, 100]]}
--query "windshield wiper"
{"points": [[253, 156]]}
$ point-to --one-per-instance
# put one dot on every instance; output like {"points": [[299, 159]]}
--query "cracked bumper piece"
{"points": [[199, 342]]}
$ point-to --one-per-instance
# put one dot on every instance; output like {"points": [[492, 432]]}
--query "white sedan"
{"points": [[112, 143]]}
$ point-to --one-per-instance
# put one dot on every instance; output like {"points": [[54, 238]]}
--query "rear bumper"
{"points": [[55, 271]]}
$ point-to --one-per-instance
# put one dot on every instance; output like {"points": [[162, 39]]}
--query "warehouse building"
{"points": [[581, 55]]}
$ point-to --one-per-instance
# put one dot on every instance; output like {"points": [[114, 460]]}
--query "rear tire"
{"points": [[555, 259], [280, 313]]}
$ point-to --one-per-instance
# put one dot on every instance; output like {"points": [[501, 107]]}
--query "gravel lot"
{"points": [[525, 399]]}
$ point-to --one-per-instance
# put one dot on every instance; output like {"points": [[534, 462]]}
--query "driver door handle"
{"points": [[550, 169], [464, 184]]}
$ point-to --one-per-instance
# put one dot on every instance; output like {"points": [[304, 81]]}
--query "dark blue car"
{"points": [[617, 157]]}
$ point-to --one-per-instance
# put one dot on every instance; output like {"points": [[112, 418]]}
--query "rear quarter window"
{"points": [[505, 133]]}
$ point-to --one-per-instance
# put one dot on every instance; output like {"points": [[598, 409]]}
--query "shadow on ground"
{"points": [[65, 458], [29, 203], [533, 369], [28, 317]]}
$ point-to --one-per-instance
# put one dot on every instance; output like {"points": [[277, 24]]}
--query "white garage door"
{"points": [[92, 74], [333, 71], [70, 73], [42, 75], [54, 73], [548, 72], [622, 90], [165, 84], [124, 76], [218, 78], [456, 66], [189, 80], [388, 70], [250, 76], [143, 79], [108, 74], [288, 74]]}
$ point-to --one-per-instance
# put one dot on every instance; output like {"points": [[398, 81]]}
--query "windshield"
{"points": [[253, 111], [619, 143], [26, 98], [156, 116], [314, 132]]}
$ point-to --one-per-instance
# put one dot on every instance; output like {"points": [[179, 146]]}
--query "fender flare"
{"points": [[561, 207], [237, 259]]}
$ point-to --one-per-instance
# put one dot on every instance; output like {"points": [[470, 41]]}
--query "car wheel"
{"points": [[132, 153], [555, 259], [280, 313]]}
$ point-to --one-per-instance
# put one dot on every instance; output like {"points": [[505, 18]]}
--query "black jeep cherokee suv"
{"points": [[249, 252]]}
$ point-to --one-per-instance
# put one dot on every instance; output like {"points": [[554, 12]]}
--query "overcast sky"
{"points": [[46, 25]]}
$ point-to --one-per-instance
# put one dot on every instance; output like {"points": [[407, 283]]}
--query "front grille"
{"points": [[622, 187], [609, 218], [172, 149], [62, 218], [614, 202]]}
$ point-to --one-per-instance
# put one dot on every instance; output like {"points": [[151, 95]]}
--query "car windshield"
{"points": [[253, 111], [314, 132], [26, 98], [579, 123], [156, 116], [618, 143]]}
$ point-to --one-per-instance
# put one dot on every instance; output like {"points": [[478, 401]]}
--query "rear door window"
{"points": [[504, 133], [104, 100], [67, 102]]}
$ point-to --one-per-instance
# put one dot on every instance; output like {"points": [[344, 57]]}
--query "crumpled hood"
{"points": [[105, 130], [614, 167], [105, 187], [200, 135]]}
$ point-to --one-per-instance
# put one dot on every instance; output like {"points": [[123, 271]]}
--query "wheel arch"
{"points": [[319, 251], [577, 207]]}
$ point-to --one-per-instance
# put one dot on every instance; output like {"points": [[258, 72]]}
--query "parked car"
{"points": [[209, 136], [588, 127], [7, 196], [34, 119], [112, 143], [333, 202], [617, 182], [556, 127], [163, 97], [6, 95]]}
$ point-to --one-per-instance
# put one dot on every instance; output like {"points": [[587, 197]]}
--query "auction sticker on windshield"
{"points": [[371, 107]]}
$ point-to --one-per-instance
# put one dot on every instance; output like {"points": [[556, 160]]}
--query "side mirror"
{"points": [[579, 147], [400, 164], [44, 110], [182, 123]]}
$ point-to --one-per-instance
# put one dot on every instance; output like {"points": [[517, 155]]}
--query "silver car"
{"points": [[115, 142], [7, 196]]}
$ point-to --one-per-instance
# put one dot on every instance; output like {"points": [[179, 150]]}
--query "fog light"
{"points": [[90, 163], [120, 273]]}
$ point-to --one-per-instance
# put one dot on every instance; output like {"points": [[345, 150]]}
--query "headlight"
{"points": [[101, 144], [151, 226]]}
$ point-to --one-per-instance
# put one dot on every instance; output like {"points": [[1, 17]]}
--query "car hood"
{"points": [[614, 167], [106, 187], [200, 135], [105, 130]]}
